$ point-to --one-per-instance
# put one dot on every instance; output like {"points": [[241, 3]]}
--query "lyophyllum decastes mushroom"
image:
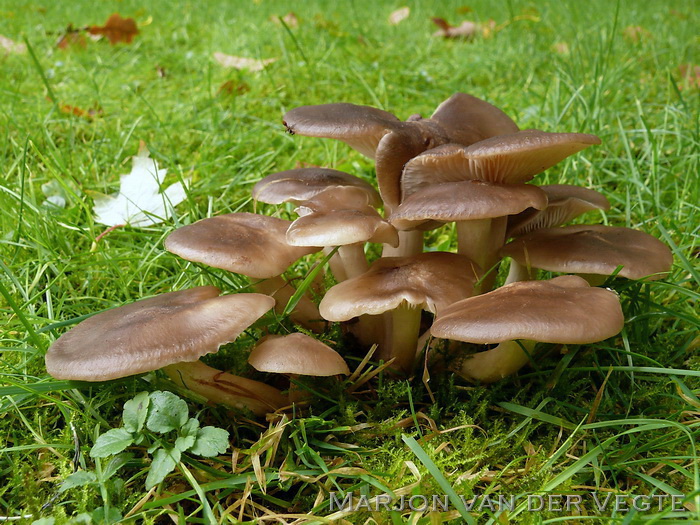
{"points": [[172, 331]]}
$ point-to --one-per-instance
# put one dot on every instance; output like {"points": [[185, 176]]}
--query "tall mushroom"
{"points": [[402, 286], [170, 331]]}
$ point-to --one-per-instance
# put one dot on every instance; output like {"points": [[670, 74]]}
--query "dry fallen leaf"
{"points": [[116, 29], [561, 48], [140, 201], [690, 76], [251, 64], [231, 87], [398, 16], [636, 34], [71, 38], [466, 30], [11, 47], [290, 19]]}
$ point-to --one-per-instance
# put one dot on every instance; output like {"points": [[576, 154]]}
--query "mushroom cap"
{"points": [[467, 119], [503, 159], [562, 310], [565, 202], [466, 200], [341, 227], [592, 249], [245, 243], [429, 280], [297, 354], [152, 333], [360, 127], [300, 185]]}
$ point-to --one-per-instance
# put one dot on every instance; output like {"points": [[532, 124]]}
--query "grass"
{"points": [[619, 417]]}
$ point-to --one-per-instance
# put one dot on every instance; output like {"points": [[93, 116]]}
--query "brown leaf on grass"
{"points": [[291, 20], [398, 16], [251, 64], [561, 48], [116, 29], [231, 88], [636, 34], [466, 30], [68, 109], [11, 47], [71, 38], [690, 76]]}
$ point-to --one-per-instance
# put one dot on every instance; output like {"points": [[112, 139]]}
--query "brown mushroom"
{"points": [[403, 286], [249, 244], [592, 250], [516, 316], [172, 330]]}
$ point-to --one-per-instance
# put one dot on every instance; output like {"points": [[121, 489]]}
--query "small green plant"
{"points": [[159, 421]]}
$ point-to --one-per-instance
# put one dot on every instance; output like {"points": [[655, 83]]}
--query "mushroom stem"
{"points": [[497, 363], [336, 264], [226, 389], [517, 272], [410, 243], [305, 313], [402, 337], [354, 259]]}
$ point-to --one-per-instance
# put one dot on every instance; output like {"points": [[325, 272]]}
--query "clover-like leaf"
{"points": [[164, 462], [167, 412], [188, 435], [139, 201], [111, 442], [135, 412], [210, 442]]}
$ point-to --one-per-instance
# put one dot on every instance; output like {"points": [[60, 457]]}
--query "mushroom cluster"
{"points": [[469, 165]]}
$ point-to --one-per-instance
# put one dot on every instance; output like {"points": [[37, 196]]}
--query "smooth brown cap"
{"points": [[592, 249], [360, 127], [297, 354], [465, 200], [565, 203], [562, 310], [302, 184], [503, 159], [430, 281], [152, 333], [341, 227], [467, 119], [245, 243]]}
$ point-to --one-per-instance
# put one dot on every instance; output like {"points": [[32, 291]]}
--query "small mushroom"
{"points": [[300, 185], [591, 249], [516, 316], [297, 355], [249, 244], [403, 286], [478, 208], [172, 330]]}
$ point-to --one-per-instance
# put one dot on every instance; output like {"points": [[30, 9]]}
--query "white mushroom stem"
{"points": [[336, 264], [480, 240], [305, 312], [402, 336], [226, 389], [495, 364], [354, 259], [410, 243], [517, 272]]}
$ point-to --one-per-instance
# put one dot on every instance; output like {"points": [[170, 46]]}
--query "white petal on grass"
{"points": [[398, 16], [251, 64], [140, 201]]}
